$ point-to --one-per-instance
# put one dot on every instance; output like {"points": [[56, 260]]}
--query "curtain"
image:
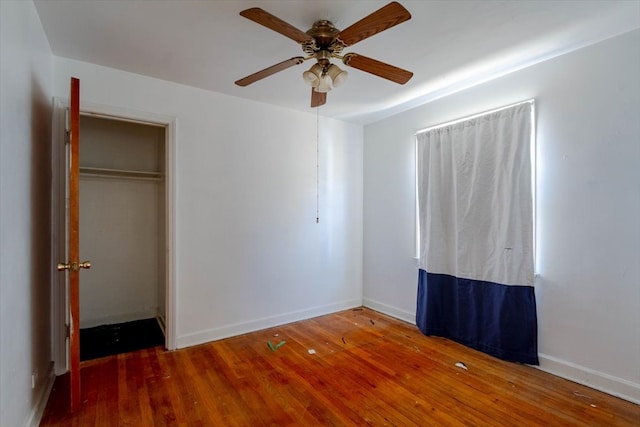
{"points": [[475, 284]]}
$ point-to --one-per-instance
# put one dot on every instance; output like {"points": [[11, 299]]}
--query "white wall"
{"points": [[25, 207], [249, 253], [588, 291]]}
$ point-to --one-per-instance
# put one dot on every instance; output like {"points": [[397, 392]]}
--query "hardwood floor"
{"points": [[368, 369]]}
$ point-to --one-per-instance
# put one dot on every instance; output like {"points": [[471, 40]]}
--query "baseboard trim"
{"points": [[390, 310], [41, 401], [227, 331], [600, 381], [162, 323]]}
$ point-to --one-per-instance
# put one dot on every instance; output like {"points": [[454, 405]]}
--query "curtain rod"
{"points": [[473, 116]]}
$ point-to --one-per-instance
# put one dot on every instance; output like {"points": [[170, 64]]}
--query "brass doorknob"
{"points": [[73, 266]]}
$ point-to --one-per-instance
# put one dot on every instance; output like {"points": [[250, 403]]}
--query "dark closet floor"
{"points": [[119, 338]]}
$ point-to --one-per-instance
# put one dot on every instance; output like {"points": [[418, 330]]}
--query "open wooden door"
{"points": [[73, 265]]}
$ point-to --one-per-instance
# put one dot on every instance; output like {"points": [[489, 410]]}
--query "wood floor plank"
{"points": [[368, 369], [213, 398], [127, 393]]}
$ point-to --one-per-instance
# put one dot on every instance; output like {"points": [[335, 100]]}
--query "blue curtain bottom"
{"points": [[496, 319]]}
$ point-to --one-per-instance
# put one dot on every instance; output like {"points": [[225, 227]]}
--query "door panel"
{"points": [[73, 265], [74, 242]]}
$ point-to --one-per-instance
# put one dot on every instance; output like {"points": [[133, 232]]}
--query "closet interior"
{"points": [[123, 233]]}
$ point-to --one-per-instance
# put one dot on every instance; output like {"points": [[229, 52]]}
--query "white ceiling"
{"points": [[448, 45]]}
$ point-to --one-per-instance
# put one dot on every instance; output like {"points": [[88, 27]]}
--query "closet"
{"points": [[122, 232]]}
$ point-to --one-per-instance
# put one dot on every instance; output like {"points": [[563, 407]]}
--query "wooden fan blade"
{"points": [[276, 24], [269, 71], [382, 19], [377, 68], [318, 98]]}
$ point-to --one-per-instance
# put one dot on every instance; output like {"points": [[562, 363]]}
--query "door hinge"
{"points": [[67, 127], [67, 331]]}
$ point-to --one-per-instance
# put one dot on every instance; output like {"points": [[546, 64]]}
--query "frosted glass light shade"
{"points": [[337, 75], [312, 76], [325, 84]]}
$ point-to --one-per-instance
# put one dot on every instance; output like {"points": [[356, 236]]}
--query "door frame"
{"points": [[59, 296]]}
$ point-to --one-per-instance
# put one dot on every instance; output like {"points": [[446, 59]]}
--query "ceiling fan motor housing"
{"points": [[324, 43]]}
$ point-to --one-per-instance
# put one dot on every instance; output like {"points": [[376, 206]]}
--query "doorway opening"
{"points": [[162, 173], [123, 233]]}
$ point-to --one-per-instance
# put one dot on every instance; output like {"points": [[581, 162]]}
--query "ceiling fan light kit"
{"points": [[324, 41], [322, 80]]}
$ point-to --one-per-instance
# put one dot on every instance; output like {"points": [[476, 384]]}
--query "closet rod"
{"points": [[120, 173]]}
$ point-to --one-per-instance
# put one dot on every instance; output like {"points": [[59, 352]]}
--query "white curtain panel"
{"points": [[475, 198]]}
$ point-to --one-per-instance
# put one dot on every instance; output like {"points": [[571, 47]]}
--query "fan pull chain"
{"points": [[317, 165]]}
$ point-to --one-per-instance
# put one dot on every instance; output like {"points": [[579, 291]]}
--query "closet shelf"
{"points": [[120, 173]]}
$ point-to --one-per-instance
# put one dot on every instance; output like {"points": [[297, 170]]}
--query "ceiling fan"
{"points": [[324, 41]]}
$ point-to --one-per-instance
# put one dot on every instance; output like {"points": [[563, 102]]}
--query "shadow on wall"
{"points": [[40, 208]]}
